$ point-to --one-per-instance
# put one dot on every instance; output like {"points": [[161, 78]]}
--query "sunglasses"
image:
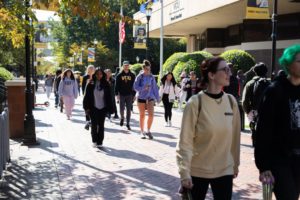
{"points": [[227, 70]]}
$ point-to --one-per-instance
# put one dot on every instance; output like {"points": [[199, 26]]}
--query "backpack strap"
{"points": [[199, 104], [230, 101]]}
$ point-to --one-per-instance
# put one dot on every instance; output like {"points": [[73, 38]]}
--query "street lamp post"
{"points": [[29, 122], [148, 16], [137, 59], [95, 43], [274, 34], [74, 54]]}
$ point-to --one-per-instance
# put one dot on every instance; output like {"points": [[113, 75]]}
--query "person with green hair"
{"points": [[277, 149]]}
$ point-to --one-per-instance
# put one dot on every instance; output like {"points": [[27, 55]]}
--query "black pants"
{"points": [[287, 180], [168, 107], [97, 130], [221, 187]]}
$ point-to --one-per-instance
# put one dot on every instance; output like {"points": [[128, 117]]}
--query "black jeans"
{"points": [[126, 101], [97, 130], [221, 187], [56, 98], [167, 106], [287, 180]]}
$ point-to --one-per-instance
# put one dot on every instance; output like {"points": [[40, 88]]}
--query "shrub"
{"points": [[5, 74], [188, 66], [136, 68], [239, 58], [172, 61]]}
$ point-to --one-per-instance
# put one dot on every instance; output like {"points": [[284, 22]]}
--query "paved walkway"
{"points": [[66, 166]]}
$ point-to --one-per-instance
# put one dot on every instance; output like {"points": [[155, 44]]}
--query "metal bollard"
{"points": [[4, 141]]}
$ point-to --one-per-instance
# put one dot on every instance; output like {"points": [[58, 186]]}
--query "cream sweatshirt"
{"points": [[209, 146]]}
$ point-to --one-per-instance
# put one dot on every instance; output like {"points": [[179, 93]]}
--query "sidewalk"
{"points": [[66, 166]]}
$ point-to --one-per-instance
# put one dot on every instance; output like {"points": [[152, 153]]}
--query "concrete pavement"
{"points": [[66, 166]]}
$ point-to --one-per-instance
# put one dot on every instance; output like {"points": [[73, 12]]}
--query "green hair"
{"points": [[288, 56]]}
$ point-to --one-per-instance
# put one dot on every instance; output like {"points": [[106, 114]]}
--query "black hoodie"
{"points": [[124, 83], [278, 127]]}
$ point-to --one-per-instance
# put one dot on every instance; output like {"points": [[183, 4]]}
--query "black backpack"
{"points": [[259, 87]]}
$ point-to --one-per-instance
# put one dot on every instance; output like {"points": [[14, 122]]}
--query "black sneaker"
{"points": [[116, 117], [121, 122], [128, 127], [87, 126], [149, 135], [61, 109]]}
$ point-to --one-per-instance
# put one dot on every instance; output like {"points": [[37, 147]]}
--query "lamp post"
{"points": [[74, 55], [29, 122], [274, 35], [137, 59], [148, 16]]}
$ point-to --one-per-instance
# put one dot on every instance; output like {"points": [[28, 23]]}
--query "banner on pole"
{"points": [[121, 32], [139, 35], [257, 9], [91, 54]]}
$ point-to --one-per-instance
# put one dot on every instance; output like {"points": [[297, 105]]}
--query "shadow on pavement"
{"points": [[39, 123], [128, 155]]}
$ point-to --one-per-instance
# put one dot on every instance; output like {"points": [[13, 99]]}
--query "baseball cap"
{"points": [[125, 62]]}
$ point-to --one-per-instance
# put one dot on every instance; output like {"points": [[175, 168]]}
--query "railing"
{"points": [[4, 141]]}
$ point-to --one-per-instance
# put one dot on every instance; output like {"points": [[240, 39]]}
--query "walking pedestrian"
{"points": [[277, 149], [97, 103], [57, 80], [85, 80], [147, 89], [68, 91], [184, 78], [112, 82], [192, 85], [168, 92], [125, 93], [48, 85], [209, 145]]}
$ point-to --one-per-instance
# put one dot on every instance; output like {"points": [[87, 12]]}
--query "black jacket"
{"points": [[124, 84], [188, 90], [84, 82], [273, 137], [89, 100]]}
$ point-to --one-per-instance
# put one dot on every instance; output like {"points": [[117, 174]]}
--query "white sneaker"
{"points": [[170, 123], [94, 144], [166, 124]]}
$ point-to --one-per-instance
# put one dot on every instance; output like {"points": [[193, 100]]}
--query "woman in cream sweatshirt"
{"points": [[208, 150]]}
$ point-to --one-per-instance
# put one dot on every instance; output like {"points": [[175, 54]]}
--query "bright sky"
{"points": [[45, 15]]}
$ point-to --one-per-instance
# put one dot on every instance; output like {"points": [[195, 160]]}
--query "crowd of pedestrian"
{"points": [[208, 150]]}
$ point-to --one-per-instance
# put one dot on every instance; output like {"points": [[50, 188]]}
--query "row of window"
{"points": [[288, 27]]}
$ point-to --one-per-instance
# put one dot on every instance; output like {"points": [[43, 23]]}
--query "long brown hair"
{"points": [[64, 75]]}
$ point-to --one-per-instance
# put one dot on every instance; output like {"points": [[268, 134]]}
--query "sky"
{"points": [[45, 15]]}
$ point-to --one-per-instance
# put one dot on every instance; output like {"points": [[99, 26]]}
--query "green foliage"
{"points": [[239, 58], [188, 66], [172, 61], [5, 74], [136, 68]]}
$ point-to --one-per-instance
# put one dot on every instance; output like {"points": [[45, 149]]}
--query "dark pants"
{"points": [[56, 98], [168, 107], [287, 180], [97, 130], [126, 101], [114, 108], [221, 187]]}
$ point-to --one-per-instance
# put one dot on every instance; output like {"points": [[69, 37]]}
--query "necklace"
{"points": [[218, 101]]}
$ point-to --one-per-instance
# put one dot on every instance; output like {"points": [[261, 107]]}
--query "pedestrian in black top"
{"points": [[112, 82], [277, 149], [97, 103], [85, 80], [57, 80], [125, 93], [192, 86]]}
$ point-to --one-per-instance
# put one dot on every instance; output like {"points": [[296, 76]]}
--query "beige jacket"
{"points": [[209, 146]]}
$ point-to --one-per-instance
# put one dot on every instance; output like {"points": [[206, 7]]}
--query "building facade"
{"points": [[219, 25]]}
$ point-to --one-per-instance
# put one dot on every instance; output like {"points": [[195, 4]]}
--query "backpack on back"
{"points": [[259, 87]]}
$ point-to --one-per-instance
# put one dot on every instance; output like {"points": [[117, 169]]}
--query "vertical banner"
{"points": [[257, 9], [140, 37], [91, 54]]}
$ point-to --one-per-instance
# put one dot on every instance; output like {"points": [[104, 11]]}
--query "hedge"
{"points": [[239, 58], [188, 66], [172, 61], [136, 68], [5, 74]]}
